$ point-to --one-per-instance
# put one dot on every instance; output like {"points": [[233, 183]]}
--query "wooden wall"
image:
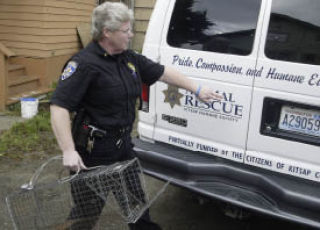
{"points": [[43, 33], [47, 28], [142, 13], [43, 28]]}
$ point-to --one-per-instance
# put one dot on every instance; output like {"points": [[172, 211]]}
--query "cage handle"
{"points": [[69, 178]]}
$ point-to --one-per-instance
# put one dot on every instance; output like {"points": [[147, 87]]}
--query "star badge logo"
{"points": [[172, 96]]}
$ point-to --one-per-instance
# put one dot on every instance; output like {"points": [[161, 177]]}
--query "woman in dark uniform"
{"points": [[104, 80]]}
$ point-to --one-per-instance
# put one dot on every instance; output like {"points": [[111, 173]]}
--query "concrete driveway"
{"points": [[175, 209], [7, 121]]}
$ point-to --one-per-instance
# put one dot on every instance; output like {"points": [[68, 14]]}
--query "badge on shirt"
{"points": [[133, 69], [69, 70]]}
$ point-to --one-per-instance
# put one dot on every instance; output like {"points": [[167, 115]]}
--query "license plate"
{"points": [[302, 121]]}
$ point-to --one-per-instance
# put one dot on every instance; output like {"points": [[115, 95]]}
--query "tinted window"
{"points": [[225, 26], [294, 32]]}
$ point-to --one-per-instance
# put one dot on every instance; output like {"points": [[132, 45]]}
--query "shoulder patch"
{"points": [[69, 70]]}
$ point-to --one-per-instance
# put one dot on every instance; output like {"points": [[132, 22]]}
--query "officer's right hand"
{"points": [[73, 161], [207, 94]]}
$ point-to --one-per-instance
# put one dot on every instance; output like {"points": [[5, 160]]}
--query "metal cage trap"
{"points": [[78, 201]]}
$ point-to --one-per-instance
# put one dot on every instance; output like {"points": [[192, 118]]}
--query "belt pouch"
{"points": [[80, 131]]}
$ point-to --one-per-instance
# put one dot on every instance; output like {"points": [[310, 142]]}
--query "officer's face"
{"points": [[121, 37]]}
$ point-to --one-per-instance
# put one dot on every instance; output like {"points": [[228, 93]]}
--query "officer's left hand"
{"points": [[207, 94]]}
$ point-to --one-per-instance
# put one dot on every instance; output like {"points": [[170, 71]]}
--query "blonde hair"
{"points": [[109, 15]]}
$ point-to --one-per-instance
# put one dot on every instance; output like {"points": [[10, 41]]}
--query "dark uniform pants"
{"points": [[87, 209]]}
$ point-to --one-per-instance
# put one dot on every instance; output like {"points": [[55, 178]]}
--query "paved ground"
{"points": [[7, 121], [176, 208]]}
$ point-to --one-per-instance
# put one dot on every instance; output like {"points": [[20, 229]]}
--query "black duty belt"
{"points": [[98, 132]]}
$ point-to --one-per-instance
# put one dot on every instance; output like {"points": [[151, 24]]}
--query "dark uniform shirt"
{"points": [[106, 86]]}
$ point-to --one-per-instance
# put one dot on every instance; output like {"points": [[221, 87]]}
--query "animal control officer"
{"points": [[105, 80]]}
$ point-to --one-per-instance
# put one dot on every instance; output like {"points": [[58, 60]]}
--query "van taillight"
{"points": [[145, 98]]}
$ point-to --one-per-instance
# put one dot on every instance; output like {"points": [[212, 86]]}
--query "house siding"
{"points": [[142, 12], [43, 28]]}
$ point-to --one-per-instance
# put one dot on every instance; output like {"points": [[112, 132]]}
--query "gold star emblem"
{"points": [[172, 96]]}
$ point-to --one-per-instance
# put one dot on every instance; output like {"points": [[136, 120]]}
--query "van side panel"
{"points": [[220, 127]]}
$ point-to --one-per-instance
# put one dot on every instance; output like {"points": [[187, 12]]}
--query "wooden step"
{"points": [[15, 71], [23, 84], [16, 98], [22, 80], [12, 67]]}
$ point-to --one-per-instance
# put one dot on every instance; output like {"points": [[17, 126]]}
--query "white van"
{"points": [[258, 148]]}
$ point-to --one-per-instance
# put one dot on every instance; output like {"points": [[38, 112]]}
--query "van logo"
{"points": [[172, 96]]}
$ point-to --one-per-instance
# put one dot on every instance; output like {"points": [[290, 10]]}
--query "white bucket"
{"points": [[29, 107]]}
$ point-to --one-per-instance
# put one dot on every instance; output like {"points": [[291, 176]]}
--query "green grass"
{"points": [[33, 135]]}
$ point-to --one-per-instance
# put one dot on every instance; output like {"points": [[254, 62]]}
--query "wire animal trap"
{"points": [[78, 201]]}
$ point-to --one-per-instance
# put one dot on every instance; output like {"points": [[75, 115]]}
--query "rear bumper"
{"points": [[246, 186]]}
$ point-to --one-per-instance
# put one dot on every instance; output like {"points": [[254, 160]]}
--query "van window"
{"points": [[224, 26], [294, 31]]}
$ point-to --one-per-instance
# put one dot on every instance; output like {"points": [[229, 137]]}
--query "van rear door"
{"points": [[284, 133], [214, 43]]}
